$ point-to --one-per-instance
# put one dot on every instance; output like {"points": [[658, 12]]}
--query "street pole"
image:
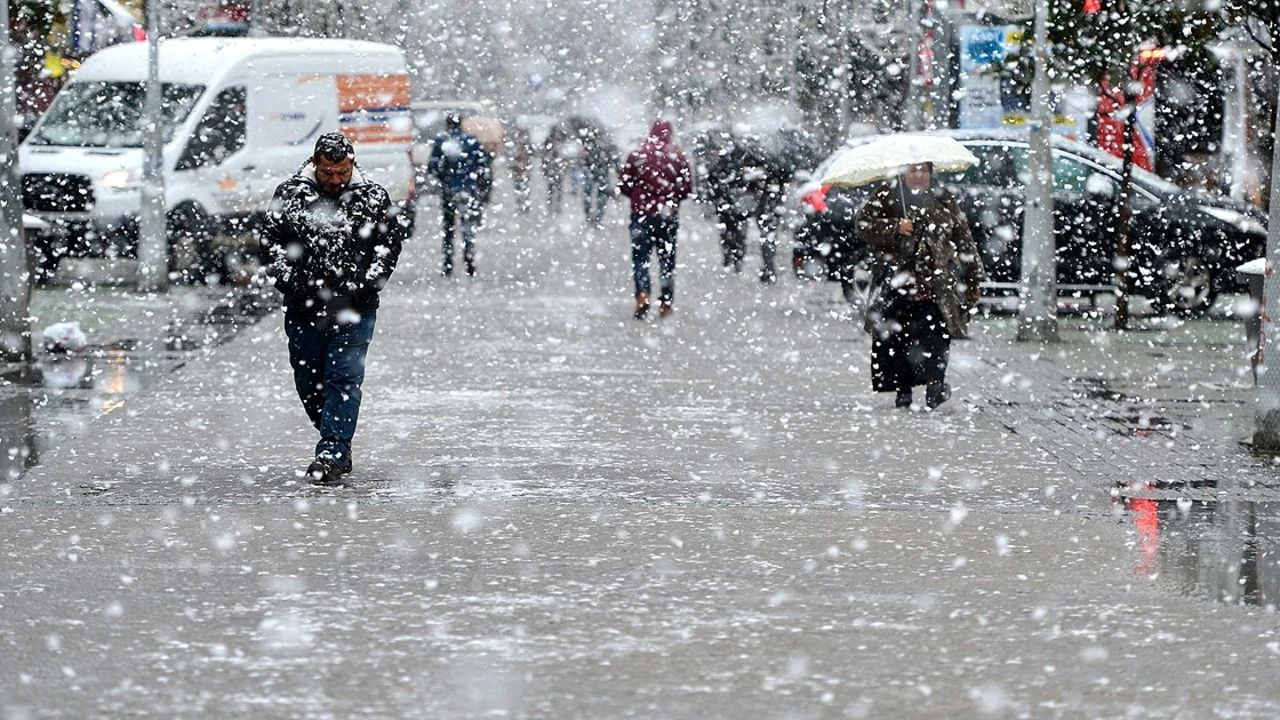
{"points": [[914, 111], [15, 287], [153, 242], [1266, 435], [1038, 306], [1124, 214]]}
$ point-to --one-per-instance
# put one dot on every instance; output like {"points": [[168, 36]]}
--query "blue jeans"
{"points": [[328, 368], [650, 233]]}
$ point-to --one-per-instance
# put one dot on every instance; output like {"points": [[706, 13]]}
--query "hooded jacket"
{"points": [[656, 175], [327, 255]]}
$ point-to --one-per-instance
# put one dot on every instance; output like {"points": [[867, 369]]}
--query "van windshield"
{"points": [[111, 114]]}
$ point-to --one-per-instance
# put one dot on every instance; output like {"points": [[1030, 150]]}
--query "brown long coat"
{"points": [[942, 231]]}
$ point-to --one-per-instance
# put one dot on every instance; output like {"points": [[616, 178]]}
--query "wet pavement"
{"points": [[132, 339], [559, 511]]}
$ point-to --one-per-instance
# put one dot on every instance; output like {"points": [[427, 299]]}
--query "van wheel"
{"points": [[191, 255], [1187, 289]]}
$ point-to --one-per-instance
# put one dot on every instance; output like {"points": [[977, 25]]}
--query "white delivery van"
{"points": [[240, 115]]}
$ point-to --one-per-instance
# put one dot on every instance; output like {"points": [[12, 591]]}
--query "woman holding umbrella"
{"points": [[928, 287]]}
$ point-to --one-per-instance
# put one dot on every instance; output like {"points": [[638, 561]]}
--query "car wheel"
{"points": [[191, 253], [1188, 289]]}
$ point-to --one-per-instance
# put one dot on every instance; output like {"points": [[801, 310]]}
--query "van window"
{"points": [[220, 133], [111, 114]]}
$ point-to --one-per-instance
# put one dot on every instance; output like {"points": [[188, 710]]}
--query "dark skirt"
{"points": [[915, 350]]}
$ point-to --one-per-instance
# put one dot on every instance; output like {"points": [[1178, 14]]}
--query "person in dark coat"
{"points": [[727, 194], [657, 178], [766, 180], [465, 171], [331, 241], [599, 159], [520, 149], [555, 165], [928, 283]]}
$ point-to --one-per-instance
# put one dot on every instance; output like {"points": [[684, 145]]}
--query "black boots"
{"points": [[936, 394], [326, 471]]}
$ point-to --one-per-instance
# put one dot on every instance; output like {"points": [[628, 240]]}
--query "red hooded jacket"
{"points": [[656, 175]]}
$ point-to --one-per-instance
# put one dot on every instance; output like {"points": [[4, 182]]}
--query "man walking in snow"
{"points": [[465, 172], [657, 178], [332, 239]]}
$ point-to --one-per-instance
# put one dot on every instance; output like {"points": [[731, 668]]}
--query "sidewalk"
{"points": [[559, 511]]}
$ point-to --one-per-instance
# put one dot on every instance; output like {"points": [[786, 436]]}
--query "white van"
{"points": [[240, 115]]}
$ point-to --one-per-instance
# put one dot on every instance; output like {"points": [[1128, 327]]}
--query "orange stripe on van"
{"points": [[375, 134], [372, 92]]}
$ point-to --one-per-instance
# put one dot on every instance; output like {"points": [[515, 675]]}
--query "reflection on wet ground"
{"points": [[1226, 550], [58, 395]]}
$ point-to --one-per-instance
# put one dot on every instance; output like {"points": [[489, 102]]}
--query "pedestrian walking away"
{"points": [[657, 178], [766, 180], [465, 171], [555, 164], [520, 149], [332, 239], [599, 161], [927, 283], [727, 195]]}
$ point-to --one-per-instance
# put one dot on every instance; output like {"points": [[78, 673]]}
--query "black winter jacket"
{"points": [[328, 255]]}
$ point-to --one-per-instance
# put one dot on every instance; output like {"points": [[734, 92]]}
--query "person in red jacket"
{"points": [[657, 178]]}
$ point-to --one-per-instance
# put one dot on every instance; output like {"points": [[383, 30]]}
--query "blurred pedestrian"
{"points": [[599, 160], [555, 165], [766, 179], [521, 166], [726, 193], [927, 286], [332, 239], [465, 171], [657, 178]]}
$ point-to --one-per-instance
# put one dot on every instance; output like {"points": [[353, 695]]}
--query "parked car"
{"points": [[1185, 244]]}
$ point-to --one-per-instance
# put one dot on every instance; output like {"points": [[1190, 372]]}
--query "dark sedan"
{"points": [[1185, 244]]}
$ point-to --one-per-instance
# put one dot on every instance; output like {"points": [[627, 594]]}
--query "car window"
{"points": [[999, 166], [1072, 175], [220, 133], [112, 114]]}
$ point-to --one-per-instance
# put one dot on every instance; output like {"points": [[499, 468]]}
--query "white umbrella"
{"points": [[886, 156]]}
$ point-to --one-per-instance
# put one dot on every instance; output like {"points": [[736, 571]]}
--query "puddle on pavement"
{"points": [[1227, 551], [59, 395]]}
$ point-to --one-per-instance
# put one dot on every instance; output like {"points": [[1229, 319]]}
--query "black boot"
{"points": [[936, 394], [904, 399]]}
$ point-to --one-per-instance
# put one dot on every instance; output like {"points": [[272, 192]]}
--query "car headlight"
{"points": [[119, 180], [1235, 218]]}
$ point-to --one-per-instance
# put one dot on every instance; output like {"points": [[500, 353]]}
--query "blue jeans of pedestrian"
{"points": [[650, 234], [328, 368]]}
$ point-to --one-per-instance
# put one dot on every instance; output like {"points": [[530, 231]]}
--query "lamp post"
{"points": [[153, 242], [1266, 435], [15, 288], [1038, 319]]}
